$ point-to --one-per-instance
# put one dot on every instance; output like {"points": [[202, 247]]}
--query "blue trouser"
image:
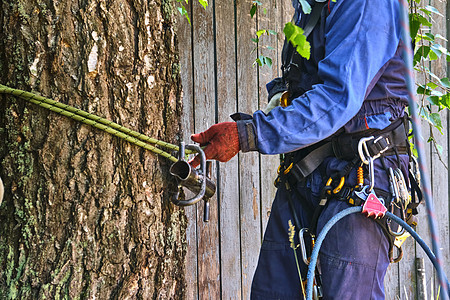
{"points": [[353, 258]]}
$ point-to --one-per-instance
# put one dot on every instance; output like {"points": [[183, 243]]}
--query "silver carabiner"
{"points": [[362, 147], [303, 245]]}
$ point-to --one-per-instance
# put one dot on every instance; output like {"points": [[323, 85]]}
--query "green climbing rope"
{"points": [[108, 126]]}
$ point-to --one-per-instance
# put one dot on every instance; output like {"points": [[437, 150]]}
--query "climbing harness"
{"points": [[196, 180], [367, 147]]}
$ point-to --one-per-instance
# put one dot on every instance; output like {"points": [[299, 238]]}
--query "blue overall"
{"points": [[353, 82]]}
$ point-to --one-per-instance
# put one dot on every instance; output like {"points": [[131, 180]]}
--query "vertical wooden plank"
{"points": [[422, 228], [204, 116], [271, 20], [184, 34], [229, 176], [391, 287], [248, 162], [439, 160]]}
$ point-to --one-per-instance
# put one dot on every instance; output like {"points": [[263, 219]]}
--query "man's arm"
{"points": [[361, 36]]}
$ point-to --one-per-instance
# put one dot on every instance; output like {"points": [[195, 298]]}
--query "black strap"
{"points": [[288, 50], [315, 16], [346, 147]]}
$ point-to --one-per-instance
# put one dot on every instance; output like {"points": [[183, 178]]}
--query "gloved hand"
{"points": [[221, 141], [274, 102]]}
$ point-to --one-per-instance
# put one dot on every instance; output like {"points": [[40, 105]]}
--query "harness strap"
{"points": [[345, 146], [288, 50]]}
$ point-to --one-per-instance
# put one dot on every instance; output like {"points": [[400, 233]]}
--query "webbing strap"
{"points": [[288, 50]]}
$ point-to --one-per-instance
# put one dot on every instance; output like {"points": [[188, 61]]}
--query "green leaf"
{"points": [[445, 101], [435, 119], [414, 26], [294, 34], [434, 100], [428, 37], [255, 40], [432, 85], [433, 10], [272, 32], [424, 21], [421, 52], [432, 55], [268, 61], [436, 49], [423, 90], [204, 3], [184, 13], [257, 62], [445, 82], [253, 10], [438, 36], [305, 6], [260, 32], [263, 60]]}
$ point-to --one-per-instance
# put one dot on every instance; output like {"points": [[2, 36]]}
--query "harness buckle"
{"points": [[363, 149]]}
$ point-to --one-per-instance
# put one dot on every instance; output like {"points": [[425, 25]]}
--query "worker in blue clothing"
{"points": [[350, 95]]}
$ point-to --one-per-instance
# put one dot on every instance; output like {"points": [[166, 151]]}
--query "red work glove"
{"points": [[221, 141]]}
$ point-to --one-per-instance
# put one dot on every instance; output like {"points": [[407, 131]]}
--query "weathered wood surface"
{"points": [[219, 79]]}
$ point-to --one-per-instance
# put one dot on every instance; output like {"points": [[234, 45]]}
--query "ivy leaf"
{"points": [[294, 34]]}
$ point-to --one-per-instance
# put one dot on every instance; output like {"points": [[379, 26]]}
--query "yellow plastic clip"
{"points": [[338, 188]]}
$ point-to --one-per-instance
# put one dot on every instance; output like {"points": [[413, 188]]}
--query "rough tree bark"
{"points": [[86, 215]]}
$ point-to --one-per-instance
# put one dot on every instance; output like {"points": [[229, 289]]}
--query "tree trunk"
{"points": [[86, 215]]}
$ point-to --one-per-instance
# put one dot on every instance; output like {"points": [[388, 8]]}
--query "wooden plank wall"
{"points": [[218, 77]]}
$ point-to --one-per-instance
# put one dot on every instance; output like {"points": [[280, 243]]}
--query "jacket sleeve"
{"points": [[361, 36]]}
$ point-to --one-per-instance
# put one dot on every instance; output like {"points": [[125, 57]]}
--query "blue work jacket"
{"points": [[353, 81]]}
